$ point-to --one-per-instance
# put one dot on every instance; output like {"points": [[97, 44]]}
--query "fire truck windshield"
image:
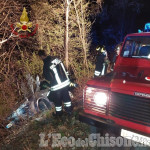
{"points": [[136, 47]]}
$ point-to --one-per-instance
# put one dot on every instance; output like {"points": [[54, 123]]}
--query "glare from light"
{"points": [[89, 90], [149, 56], [100, 98]]}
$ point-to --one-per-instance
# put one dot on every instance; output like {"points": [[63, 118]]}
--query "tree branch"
{"points": [[11, 35]]}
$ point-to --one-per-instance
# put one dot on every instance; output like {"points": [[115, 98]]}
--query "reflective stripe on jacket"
{"points": [[54, 71]]}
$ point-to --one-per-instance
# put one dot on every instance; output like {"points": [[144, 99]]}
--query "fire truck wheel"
{"points": [[105, 130], [94, 129]]}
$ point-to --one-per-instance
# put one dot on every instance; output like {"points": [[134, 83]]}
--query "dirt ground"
{"points": [[27, 136]]}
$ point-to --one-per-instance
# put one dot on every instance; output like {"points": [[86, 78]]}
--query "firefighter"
{"points": [[54, 71], [101, 61], [116, 53]]}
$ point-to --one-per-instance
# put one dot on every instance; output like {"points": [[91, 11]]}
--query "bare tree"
{"points": [[65, 31], [66, 39], [80, 26]]}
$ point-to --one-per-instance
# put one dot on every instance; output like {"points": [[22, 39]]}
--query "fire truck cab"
{"points": [[121, 98]]}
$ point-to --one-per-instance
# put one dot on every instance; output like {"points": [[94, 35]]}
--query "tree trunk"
{"points": [[66, 33], [84, 36], [81, 26]]}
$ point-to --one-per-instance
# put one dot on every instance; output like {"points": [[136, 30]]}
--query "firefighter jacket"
{"points": [[100, 63], [54, 71]]}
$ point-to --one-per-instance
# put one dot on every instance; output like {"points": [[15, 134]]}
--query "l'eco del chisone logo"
{"points": [[24, 28]]}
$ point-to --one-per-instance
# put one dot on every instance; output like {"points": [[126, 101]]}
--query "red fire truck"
{"points": [[121, 98]]}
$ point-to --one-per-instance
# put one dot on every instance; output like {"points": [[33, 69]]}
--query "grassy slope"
{"points": [[28, 138]]}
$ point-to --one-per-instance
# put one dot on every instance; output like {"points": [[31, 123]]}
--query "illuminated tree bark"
{"points": [[66, 40]]}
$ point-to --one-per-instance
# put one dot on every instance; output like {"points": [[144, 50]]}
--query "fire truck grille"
{"points": [[93, 107], [131, 108]]}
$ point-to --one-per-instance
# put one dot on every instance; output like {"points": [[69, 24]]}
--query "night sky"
{"points": [[117, 20], [144, 15]]}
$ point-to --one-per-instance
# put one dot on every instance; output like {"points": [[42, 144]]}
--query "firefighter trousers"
{"points": [[61, 96]]}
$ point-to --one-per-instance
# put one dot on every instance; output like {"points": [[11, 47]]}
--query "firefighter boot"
{"points": [[69, 110], [58, 114], [59, 111]]}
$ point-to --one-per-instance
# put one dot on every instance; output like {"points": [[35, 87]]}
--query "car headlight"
{"points": [[100, 98]]}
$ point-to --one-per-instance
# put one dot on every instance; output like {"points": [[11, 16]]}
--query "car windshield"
{"points": [[136, 47]]}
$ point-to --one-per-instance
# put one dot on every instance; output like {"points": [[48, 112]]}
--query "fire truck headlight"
{"points": [[100, 98]]}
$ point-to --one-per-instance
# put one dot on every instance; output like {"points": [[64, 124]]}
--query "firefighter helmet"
{"points": [[101, 48]]}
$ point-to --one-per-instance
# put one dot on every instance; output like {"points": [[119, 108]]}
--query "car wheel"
{"points": [[44, 105]]}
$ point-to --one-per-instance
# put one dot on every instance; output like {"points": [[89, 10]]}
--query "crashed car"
{"points": [[35, 103]]}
